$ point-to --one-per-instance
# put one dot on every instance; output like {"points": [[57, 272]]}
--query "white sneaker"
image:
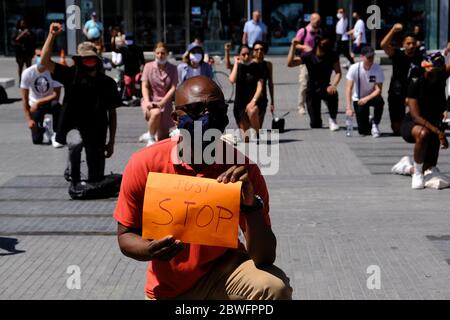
{"points": [[151, 141], [48, 129], [144, 137], [417, 181], [302, 111], [403, 167], [174, 133], [375, 131], [333, 125], [56, 144]]}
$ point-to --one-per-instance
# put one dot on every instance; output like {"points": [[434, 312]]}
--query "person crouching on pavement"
{"points": [[40, 96], [190, 271], [89, 108], [320, 62], [422, 125], [365, 79]]}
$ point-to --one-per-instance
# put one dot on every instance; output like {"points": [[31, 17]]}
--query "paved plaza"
{"points": [[336, 210]]}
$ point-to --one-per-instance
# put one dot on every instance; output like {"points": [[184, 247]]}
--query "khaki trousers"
{"points": [[235, 277], [303, 82]]}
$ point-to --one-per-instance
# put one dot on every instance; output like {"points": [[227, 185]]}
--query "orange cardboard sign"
{"points": [[193, 210]]}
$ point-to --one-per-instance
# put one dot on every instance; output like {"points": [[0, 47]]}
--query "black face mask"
{"points": [[436, 77]]}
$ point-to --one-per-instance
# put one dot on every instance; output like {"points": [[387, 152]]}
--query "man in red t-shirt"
{"points": [[189, 271]]}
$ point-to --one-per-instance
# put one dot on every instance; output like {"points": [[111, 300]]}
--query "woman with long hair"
{"points": [[260, 49], [159, 82], [249, 103]]}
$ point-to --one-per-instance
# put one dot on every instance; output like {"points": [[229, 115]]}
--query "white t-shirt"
{"points": [[39, 84], [360, 31], [341, 29], [447, 61], [368, 79]]}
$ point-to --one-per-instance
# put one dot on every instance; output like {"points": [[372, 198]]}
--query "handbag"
{"points": [[279, 123]]}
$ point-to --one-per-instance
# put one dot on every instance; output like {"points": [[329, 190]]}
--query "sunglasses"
{"points": [[245, 54], [198, 109], [258, 49]]}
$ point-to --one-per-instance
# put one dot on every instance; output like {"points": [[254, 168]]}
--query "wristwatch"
{"points": [[258, 205]]}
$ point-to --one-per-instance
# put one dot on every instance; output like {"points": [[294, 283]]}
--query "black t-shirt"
{"points": [[133, 58], [402, 64], [431, 98], [247, 82], [87, 101], [319, 69]]}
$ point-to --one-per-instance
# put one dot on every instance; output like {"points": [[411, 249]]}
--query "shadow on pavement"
{"points": [[9, 245], [10, 101]]}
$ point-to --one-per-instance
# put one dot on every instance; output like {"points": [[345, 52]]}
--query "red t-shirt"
{"points": [[168, 279]]}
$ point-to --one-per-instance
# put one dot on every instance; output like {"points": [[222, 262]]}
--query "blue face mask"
{"points": [[38, 61], [208, 121]]}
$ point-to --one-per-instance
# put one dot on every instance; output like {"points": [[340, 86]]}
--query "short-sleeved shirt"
{"points": [[168, 279], [447, 61], [309, 39], [160, 80], [319, 69], [255, 31], [341, 29], [360, 31], [367, 79], [94, 29], [87, 101], [402, 64], [431, 98], [39, 84]]}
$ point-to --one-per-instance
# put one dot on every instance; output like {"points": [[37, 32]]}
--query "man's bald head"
{"points": [[315, 20], [199, 89]]}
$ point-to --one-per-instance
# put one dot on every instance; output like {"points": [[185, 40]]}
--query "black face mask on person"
{"points": [[436, 76]]}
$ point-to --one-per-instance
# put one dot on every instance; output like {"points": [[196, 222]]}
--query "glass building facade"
{"points": [[177, 22]]}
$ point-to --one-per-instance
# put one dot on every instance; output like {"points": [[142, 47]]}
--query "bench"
{"points": [[5, 83]]}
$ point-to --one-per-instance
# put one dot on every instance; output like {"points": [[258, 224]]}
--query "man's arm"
{"points": [[133, 246], [338, 74], [26, 108], [414, 109], [245, 38], [332, 89], [40, 102], [112, 125], [261, 242], [293, 60], [46, 53], [348, 95], [386, 43]]}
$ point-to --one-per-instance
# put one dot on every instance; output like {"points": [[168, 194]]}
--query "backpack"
{"points": [[305, 34], [109, 187]]}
